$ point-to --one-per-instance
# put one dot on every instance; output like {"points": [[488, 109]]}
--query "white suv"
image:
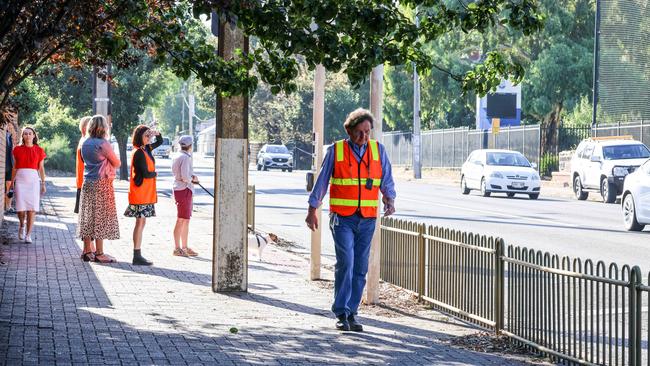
{"points": [[274, 157], [601, 165]]}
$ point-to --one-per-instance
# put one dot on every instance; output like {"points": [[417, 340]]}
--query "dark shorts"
{"points": [[183, 203]]}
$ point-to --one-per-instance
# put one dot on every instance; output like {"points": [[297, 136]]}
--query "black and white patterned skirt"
{"points": [[139, 211]]}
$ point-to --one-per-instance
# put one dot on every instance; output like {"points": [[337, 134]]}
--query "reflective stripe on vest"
{"points": [[146, 193], [348, 192], [353, 203], [353, 181]]}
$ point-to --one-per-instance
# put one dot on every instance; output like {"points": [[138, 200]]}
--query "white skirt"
{"points": [[27, 190]]}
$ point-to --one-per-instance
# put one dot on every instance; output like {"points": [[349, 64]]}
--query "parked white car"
{"points": [[274, 157], [636, 199], [601, 165], [499, 171]]}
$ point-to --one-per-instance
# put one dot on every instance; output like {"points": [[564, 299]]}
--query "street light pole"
{"points": [[594, 113], [417, 162]]}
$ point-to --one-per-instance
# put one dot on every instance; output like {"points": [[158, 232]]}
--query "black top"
{"points": [[140, 162]]}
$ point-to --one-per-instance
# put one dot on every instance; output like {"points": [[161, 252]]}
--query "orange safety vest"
{"points": [[146, 193], [348, 192], [80, 168]]}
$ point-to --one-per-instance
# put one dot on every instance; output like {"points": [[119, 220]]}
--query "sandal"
{"points": [[88, 257], [105, 258], [180, 252], [190, 252]]}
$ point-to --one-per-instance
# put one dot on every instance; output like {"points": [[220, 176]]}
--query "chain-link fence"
{"points": [[449, 148], [623, 60]]}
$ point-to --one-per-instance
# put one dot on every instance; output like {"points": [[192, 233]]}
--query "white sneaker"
{"points": [[21, 233], [28, 238]]}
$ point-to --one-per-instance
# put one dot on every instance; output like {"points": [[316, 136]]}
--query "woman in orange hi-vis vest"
{"points": [[356, 170], [142, 186]]}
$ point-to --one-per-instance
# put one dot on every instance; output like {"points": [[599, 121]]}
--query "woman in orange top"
{"points": [[142, 186], [89, 245]]}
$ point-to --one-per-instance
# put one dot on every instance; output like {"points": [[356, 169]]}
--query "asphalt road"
{"points": [[584, 229]]}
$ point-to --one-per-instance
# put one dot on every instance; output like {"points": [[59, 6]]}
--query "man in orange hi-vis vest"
{"points": [[356, 170]]}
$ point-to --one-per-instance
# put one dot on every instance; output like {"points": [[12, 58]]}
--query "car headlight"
{"points": [[534, 177], [496, 175], [620, 171]]}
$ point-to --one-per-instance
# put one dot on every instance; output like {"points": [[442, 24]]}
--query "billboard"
{"points": [[504, 103]]}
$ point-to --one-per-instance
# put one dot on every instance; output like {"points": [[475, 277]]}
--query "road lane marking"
{"points": [[488, 212]]}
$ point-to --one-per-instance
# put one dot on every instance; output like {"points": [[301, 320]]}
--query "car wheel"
{"points": [[533, 196], [577, 189], [629, 215], [284, 170], [608, 191], [463, 186], [290, 170], [265, 168], [259, 167], [510, 194], [484, 190]]}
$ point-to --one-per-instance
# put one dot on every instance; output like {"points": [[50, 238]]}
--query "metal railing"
{"points": [[250, 207], [447, 268], [572, 310], [640, 130], [449, 148]]}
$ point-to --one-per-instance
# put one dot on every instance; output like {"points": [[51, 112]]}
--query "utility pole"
{"points": [[102, 94], [183, 107], [191, 116], [374, 261], [319, 128], [229, 256], [417, 161]]}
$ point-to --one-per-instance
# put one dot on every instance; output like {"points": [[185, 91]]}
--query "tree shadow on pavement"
{"points": [[56, 309]]}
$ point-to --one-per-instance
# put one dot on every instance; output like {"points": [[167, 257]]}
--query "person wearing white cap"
{"points": [[183, 191]]}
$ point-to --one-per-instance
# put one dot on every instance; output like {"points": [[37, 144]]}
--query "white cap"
{"points": [[185, 140]]}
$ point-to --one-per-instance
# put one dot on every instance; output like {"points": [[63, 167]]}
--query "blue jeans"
{"points": [[352, 237]]}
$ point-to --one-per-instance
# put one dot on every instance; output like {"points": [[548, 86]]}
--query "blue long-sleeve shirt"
{"points": [[387, 186]]}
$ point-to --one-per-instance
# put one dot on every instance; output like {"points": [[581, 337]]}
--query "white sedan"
{"points": [[636, 198], [499, 171]]}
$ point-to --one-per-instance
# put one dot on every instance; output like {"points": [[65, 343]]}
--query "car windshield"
{"points": [[506, 159], [277, 150], [619, 152], [166, 141]]}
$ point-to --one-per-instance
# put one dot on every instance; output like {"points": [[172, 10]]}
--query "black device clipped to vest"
{"points": [[369, 183]]}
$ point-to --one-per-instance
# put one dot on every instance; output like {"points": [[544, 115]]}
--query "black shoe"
{"points": [[139, 260], [355, 326], [342, 324]]}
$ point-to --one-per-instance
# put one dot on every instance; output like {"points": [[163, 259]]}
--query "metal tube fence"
{"points": [[575, 311]]}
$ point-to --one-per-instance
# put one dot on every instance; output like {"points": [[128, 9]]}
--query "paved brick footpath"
{"points": [[57, 310]]}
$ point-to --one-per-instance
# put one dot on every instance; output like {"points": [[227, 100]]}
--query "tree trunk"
{"points": [[550, 127], [124, 168]]}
